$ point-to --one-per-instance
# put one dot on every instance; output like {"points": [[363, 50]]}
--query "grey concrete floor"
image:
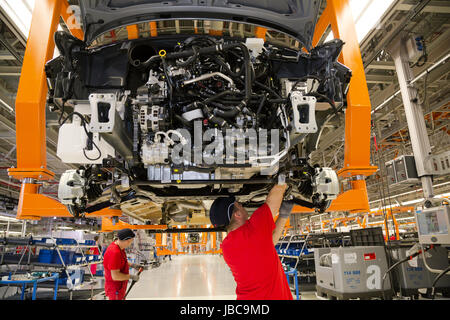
{"points": [[189, 277]]}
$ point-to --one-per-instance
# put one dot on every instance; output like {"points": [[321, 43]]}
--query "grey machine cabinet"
{"points": [[352, 272], [413, 274]]}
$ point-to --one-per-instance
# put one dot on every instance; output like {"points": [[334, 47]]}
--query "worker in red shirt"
{"points": [[249, 247], [116, 266]]}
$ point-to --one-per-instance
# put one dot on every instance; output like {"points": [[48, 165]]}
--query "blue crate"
{"points": [[46, 256], [77, 258], [89, 242], [99, 273], [66, 241], [67, 257]]}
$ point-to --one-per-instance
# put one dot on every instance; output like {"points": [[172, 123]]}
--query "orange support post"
{"points": [[133, 32], [30, 111], [174, 243], [338, 15], [153, 29], [260, 32], [67, 13], [30, 104]]}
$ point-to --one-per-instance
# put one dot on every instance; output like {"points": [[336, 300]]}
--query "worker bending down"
{"points": [[249, 247], [116, 266]]}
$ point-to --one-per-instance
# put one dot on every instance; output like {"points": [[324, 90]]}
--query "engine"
{"points": [[144, 116]]}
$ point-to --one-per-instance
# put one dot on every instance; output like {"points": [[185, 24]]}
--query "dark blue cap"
{"points": [[221, 211], [125, 234]]}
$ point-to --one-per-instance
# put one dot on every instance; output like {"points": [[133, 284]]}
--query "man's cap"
{"points": [[221, 211], [125, 234]]}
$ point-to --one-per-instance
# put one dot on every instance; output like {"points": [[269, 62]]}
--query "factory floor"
{"points": [[190, 277]]}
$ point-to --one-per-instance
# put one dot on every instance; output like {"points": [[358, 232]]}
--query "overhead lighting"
{"points": [[6, 105], [369, 15], [20, 12], [12, 232], [65, 228], [9, 219], [366, 14], [385, 207], [409, 192], [406, 218], [412, 201]]}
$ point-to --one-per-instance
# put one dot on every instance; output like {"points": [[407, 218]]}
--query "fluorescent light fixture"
{"points": [[12, 232], [444, 195], [20, 12], [65, 228], [385, 207], [367, 14], [406, 218], [3, 218], [6, 105], [412, 201], [409, 192]]}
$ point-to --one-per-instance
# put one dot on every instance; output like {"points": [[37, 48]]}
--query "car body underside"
{"points": [[149, 120]]}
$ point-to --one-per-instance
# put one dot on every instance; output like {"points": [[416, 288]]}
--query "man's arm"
{"points": [[116, 275], [279, 227], [275, 197]]}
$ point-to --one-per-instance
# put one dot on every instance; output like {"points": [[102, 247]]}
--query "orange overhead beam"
{"points": [[106, 212], [33, 206], [108, 226]]}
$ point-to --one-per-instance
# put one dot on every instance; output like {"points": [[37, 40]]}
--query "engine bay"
{"points": [[128, 110]]}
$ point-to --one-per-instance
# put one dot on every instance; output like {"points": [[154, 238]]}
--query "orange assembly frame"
{"points": [[30, 114], [357, 166], [30, 111]]}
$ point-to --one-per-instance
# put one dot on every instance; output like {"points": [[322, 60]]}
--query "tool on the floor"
{"points": [[133, 282]]}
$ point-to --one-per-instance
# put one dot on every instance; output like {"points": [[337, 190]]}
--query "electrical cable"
{"points": [[440, 275], [88, 134], [398, 263]]}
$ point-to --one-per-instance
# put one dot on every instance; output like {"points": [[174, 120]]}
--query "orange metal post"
{"points": [[153, 29], [69, 18], [133, 32], [31, 94], [30, 111], [338, 15], [174, 243], [357, 116], [260, 32]]}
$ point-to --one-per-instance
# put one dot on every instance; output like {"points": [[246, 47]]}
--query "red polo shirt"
{"points": [[115, 259], [250, 253]]}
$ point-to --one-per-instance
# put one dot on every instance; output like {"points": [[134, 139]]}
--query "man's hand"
{"points": [[286, 208], [135, 266], [134, 277]]}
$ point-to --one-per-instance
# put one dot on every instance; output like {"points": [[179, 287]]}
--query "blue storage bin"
{"points": [[66, 256], [66, 241], [89, 242], [46, 256], [77, 258]]}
